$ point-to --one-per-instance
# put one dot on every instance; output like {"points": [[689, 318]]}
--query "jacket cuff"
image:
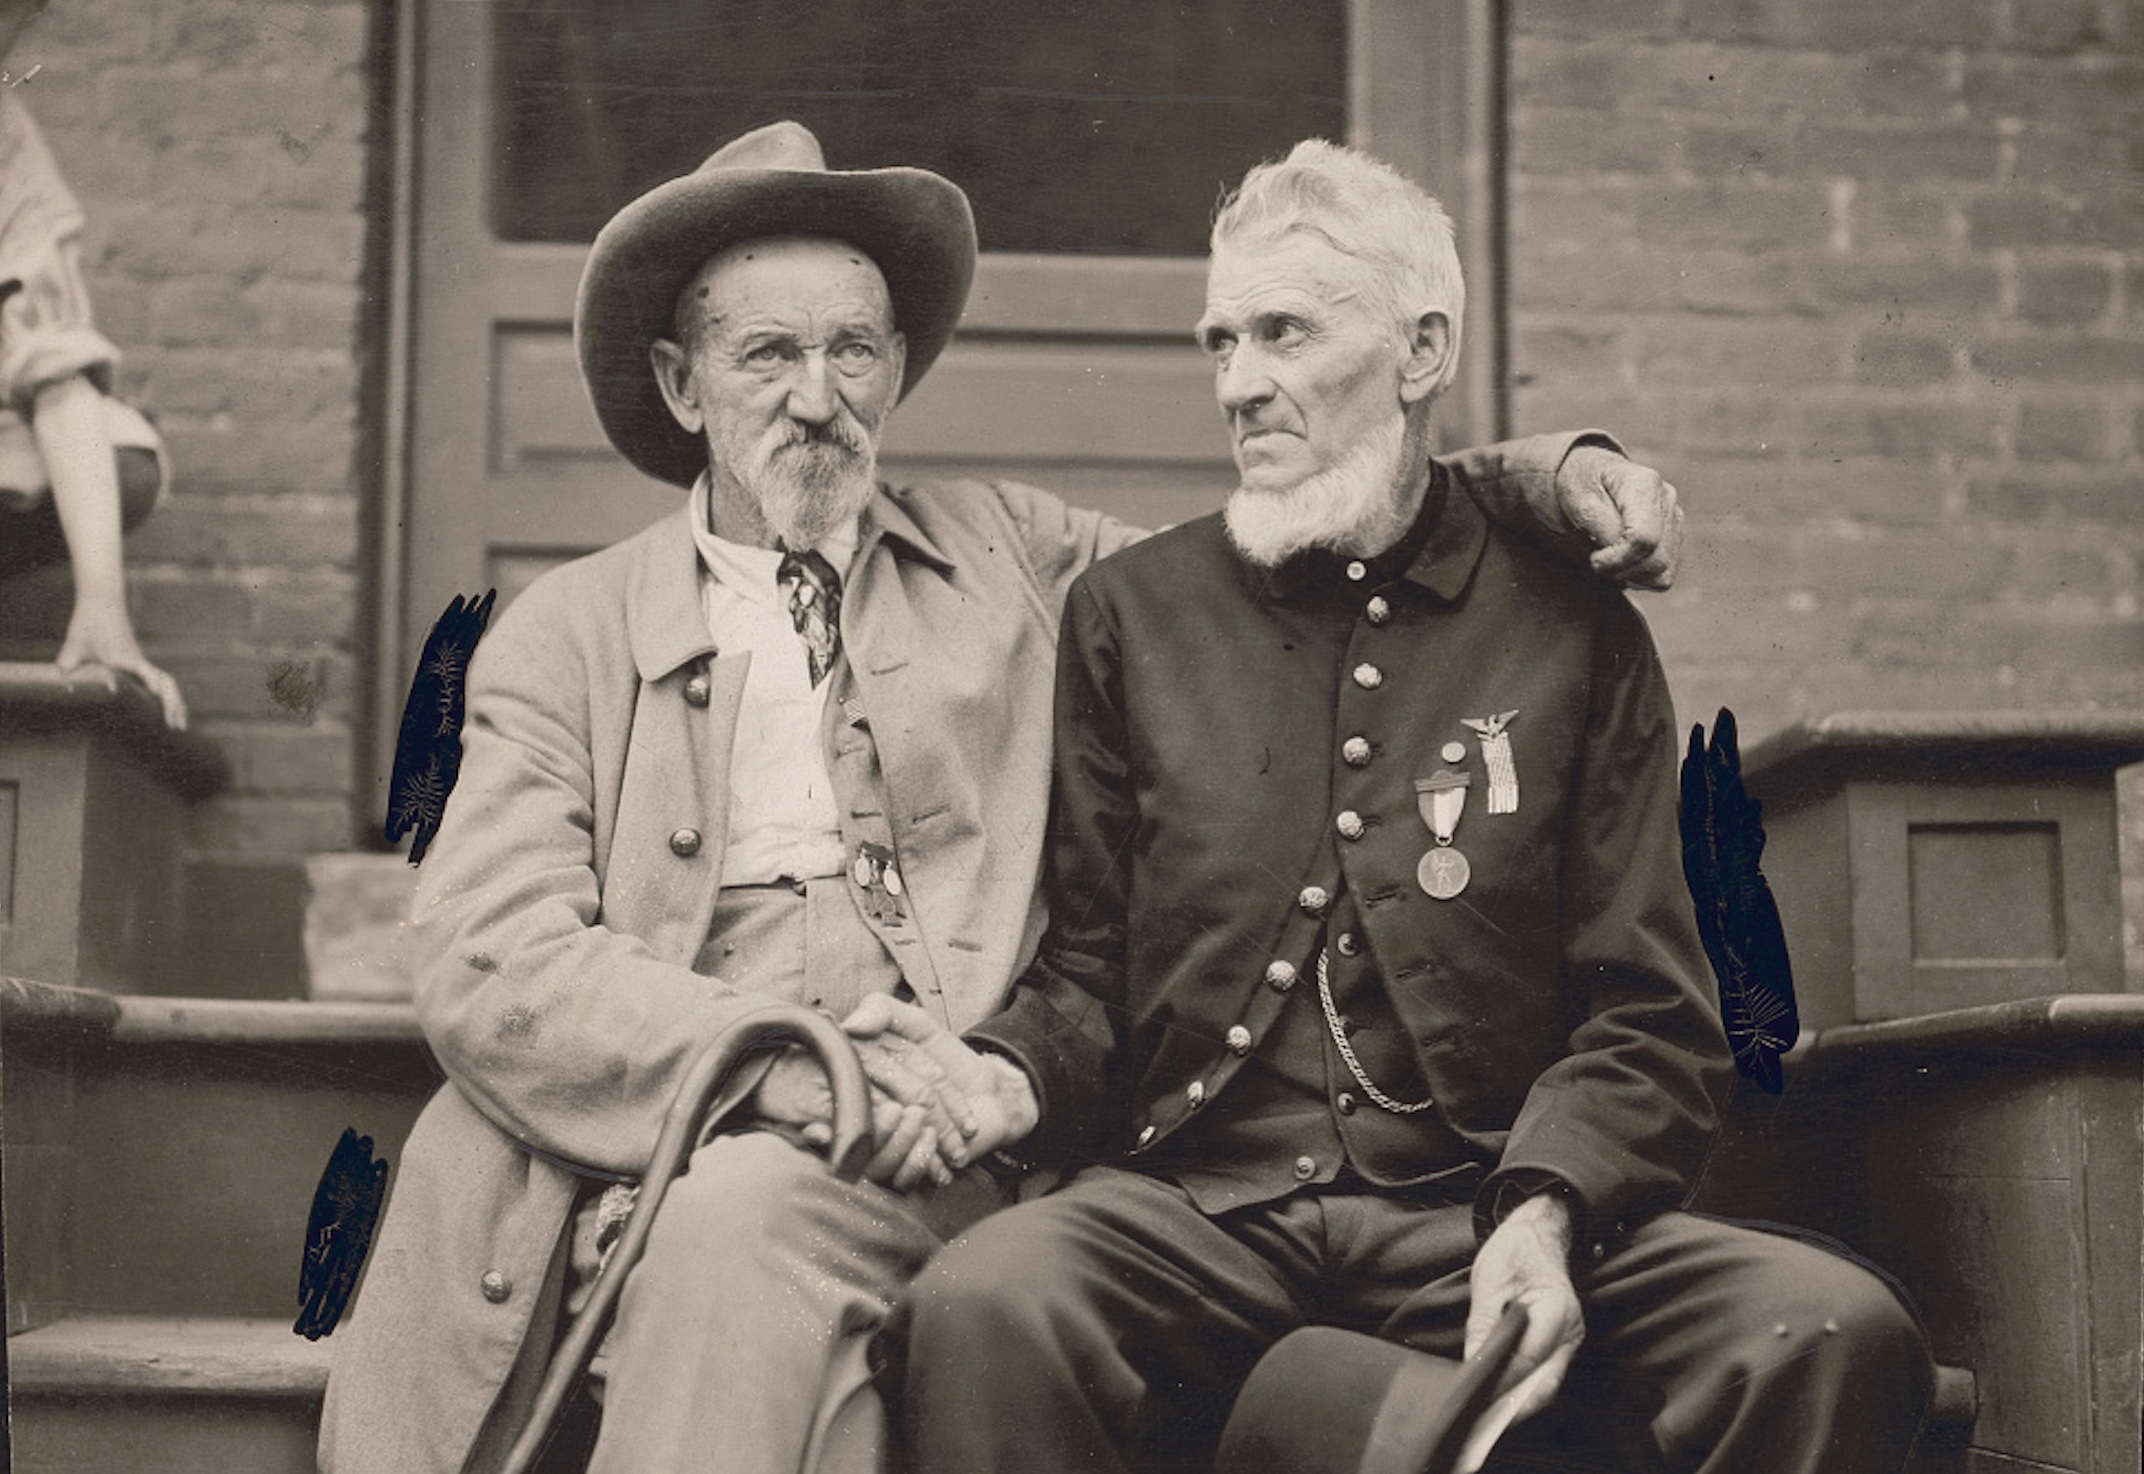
{"points": [[1600, 438], [1503, 1192]]}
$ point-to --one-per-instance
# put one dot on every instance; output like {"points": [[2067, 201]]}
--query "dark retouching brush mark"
{"points": [[1722, 838], [428, 754], [338, 1234]]}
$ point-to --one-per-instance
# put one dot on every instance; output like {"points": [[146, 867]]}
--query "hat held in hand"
{"points": [[1328, 1401]]}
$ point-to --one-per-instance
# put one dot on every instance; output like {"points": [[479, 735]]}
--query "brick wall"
{"points": [[220, 151], [1867, 280]]}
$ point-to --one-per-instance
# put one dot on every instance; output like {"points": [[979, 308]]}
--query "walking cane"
{"points": [[848, 1155]]}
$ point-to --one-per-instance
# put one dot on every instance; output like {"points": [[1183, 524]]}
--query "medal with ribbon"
{"points": [[1496, 757], [874, 873], [1441, 798]]}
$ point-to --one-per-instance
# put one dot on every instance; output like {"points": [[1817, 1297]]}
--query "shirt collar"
{"points": [[1438, 553]]}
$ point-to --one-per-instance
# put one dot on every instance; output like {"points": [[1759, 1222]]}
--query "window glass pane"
{"points": [[1074, 125]]}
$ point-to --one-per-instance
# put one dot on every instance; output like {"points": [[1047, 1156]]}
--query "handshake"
{"points": [[936, 1104]]}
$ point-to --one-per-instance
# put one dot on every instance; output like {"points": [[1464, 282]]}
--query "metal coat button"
{"points": [[1239, 1039], [1195, 1092], [1280, 976], [1368, 676], [696, 691], [1355, 752], [496, 1286], [1344, 1103], [1313, 899], [685, 843], [1377, 611], [1349, 823], [1346, 944], [1305, 1168], [1358, 570]]}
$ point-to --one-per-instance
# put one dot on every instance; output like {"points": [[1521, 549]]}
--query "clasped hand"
{"points": [[936, 1104]]}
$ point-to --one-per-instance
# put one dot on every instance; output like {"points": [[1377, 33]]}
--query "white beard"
{"points": [[806, 488], [1351, 508]]}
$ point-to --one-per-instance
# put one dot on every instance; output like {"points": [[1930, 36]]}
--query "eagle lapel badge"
{"points": [[1441, 798], [1496, 756]]}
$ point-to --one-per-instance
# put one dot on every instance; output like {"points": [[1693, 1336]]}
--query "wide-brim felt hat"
{"points": [[1325, 1400], [915, 225]]}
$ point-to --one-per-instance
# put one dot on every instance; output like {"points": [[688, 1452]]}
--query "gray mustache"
{"points": [[835, 435]]}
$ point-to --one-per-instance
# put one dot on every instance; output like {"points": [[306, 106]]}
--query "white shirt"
{"points": [[784, 821]]}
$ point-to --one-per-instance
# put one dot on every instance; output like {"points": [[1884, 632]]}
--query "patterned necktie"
{"points": [[814, 591]]}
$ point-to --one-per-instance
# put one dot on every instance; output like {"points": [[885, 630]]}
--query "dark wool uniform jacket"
{"points": [[1221, 732]]}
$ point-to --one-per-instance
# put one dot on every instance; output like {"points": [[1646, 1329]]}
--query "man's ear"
{"points": [[1430, 347], [673, 376]]}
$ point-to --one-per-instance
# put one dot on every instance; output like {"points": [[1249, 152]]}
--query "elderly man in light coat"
{"points": [[790, 741]]}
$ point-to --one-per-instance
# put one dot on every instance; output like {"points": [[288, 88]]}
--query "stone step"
{"points": [[353, 925], [324, 926], [162, 1153], [183, 1395], [178, 1394]]}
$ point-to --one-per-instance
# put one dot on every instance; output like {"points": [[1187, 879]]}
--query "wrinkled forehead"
{"points": [[784, 275], [1298, 270]]}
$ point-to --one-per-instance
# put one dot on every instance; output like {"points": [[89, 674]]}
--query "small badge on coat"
{"points": [[1496, 756]]}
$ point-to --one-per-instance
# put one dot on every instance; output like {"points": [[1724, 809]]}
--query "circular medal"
{"points": [[892, 879], [861, 871], [1442, 874]]}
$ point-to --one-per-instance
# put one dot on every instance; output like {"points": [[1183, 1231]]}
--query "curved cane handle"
{"points": [[849, 1154], [850, 1151]]}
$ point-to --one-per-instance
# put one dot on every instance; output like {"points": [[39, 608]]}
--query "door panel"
{"points": [[1073, 369]]}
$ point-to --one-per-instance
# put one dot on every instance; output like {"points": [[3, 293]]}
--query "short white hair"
{"points": [[1363, 208]]}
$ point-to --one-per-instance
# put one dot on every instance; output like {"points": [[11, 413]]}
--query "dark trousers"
{"points": [[1110, 1324]]}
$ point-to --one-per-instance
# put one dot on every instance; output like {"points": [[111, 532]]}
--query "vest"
{"points": [[1295, 1117]]}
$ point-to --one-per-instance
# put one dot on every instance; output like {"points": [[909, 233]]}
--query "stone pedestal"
{"points": [[1930, 861], [93, 794]]}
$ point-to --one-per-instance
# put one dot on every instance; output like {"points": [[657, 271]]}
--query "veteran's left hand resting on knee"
{"points": [[1527, 1260]]}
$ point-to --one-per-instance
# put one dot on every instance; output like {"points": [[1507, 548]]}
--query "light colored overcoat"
{"points": [[556, 924]]}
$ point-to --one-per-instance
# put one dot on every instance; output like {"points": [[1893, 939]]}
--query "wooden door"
{"points": [[1094, 167]]}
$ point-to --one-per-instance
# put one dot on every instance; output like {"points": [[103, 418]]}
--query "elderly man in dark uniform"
{"points": [[1372, 994], [791, 741]]}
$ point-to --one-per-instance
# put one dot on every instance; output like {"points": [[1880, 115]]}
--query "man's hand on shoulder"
{"points": [[987, 1099], [1629, 511], [1527, 1259]]}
